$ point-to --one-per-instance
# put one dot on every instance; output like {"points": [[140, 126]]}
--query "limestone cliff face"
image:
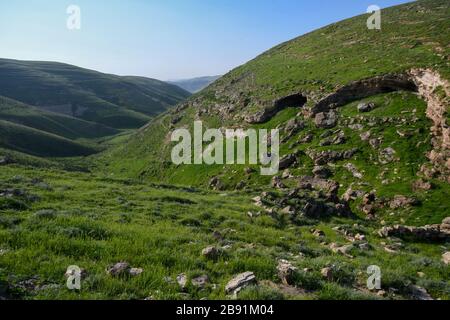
{"points": [[436, 91]]}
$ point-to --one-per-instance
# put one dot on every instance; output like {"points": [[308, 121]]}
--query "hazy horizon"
{"points": [[167, 40]]}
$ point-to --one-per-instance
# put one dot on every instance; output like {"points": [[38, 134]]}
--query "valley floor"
{"points": [[50, 220]]}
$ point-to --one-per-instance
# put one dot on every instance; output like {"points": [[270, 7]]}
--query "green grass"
{"points": [[65, 219]]}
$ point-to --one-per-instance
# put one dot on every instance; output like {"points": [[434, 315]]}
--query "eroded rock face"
{"points": [[430, 233], [436, 91], [365, 88], [295, 100], [239, 282]]}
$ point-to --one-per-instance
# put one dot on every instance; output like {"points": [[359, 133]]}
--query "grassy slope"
{"points": [[39, 143], [58, 124], [412, 35], [120, 102], [93, 222]]}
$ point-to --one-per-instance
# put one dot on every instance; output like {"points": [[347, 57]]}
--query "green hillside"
{"points": [[314, 65], [364, 179], [118, 102], [51, 122], [39, 143]]}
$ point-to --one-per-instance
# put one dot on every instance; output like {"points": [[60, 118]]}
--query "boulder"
{"points": [[118, 269], [286, 272], [239, 282], [326, 119], [366, 107], [211, 253], [287, 161]]}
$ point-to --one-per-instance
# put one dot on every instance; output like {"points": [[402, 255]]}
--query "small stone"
{"points": [[134, 272], [200, 282], [286, 272], [446, 258], [211, 253], [118, 269], [327, 273], [182, 280]]}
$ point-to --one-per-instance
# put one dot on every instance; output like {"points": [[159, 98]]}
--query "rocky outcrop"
{"points": [[240, 282], [295, 100], [436, 91], [428, 83], [429, 233], [323, 157], [365, 88]]}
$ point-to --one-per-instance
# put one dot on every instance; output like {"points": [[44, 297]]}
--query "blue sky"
{"points": [[164, 39]]}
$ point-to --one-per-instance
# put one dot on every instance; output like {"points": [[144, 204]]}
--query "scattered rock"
{"points": [[134, 272], [400, 201], [327, 273], [211, 252], [446, 258], [182, 280], [200, 282], [322, 172], [118, 269], [326, 119], [353, 170], [286, 272], [287, 161], [239, 282], [365, 136], [277, 183], [344, 250], [387, 155], [421, 185], [366, 107], [323, 157], [318, 233], [352, 195], [419, 293], [306, 139], [216, 184]]}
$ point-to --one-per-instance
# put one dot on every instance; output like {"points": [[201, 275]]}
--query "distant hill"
{"points": [[114, 101], [51, 122], [196, 84]]}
